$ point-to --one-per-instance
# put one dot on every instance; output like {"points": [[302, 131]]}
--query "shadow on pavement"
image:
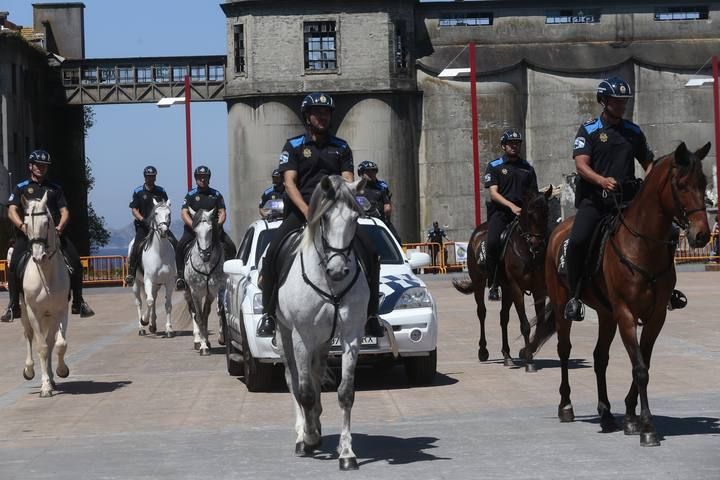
{"points": [[670, 426], [88, 387], [540, 364], [378, 448]]}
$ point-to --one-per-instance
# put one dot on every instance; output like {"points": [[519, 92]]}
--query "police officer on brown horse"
{"points": [[35, 187], [143, 201], [304, 161]]}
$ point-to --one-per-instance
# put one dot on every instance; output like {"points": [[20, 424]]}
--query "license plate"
{"points": [[364, 342]]}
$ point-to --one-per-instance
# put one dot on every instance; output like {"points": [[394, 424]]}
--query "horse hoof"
{"points": [[144, 322], [169, 334], [196, 345], [44, 394], [300, 450], [348, 464], [509, 362], [141, 332], [483, 355], [566, 414], [62, 373], [153, 329], [204, 352], [608, 425], [649, 439], [28, 376], [530, 368], [630, 426]]}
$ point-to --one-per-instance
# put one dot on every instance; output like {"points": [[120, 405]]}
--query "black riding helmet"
{"points": [[150, 170], [41, 157], [317, 99], [510, 134], [366, 165], [202, 170], [613, 87]]}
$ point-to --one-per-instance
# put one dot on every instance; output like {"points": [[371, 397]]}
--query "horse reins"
{"points": [[43, 241]]}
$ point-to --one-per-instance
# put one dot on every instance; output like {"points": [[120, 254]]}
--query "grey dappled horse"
{"points": [[44, 299], [158, 269], [204, 274], [325, 295]]}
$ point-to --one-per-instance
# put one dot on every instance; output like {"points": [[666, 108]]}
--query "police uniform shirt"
{"points": [[513, 179], [143, 199], [273, 192], [312, 161], [32, 190], [436, 235], [378, 194], [205, 199], [612, 149]]}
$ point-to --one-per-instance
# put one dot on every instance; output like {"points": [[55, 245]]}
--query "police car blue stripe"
{"points": [[297, 141], [497, 161], [631, 126], [593, 125]]}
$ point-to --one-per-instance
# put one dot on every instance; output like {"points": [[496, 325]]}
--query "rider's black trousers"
{"points": [[188, 237], [498, 221], [588, 215]]}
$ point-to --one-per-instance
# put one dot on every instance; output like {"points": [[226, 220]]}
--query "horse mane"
{"points": [[321, 201], [151, 234]]}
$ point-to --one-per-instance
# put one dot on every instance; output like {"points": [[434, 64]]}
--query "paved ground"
{"points": [[152, 408]]}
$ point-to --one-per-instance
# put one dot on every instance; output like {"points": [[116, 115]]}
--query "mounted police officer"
{"points": [[378, 194], [304, 161], [508, 178], [35, 187], [141, 206], [276, 191], [604, 151], [205, 198]]}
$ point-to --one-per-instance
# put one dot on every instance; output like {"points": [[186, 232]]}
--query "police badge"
{"points": [[603, 137], [504, 171], [307, 153], [197, 198], [31, 190]]}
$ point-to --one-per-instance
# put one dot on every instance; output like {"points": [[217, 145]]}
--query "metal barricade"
{"points": [[437, 258], [104, 271], [684, 253], [456, 257]]}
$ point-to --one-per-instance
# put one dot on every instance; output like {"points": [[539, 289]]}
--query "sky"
{"points": [[126, 138]]}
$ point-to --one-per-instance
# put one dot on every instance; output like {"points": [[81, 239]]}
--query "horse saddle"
{"points": [[594, 256], [504, 241], [285, 255]]}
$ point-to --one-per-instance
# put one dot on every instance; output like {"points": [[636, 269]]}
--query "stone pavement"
{"points": [[150, 407]]}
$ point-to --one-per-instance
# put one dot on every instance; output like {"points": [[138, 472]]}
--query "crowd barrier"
{"points": [[105, 270], [684, 253]]}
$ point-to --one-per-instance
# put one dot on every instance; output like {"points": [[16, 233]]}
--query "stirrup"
{"points": [[677, 300], [83, 309], [180, 284], [574, 310], [373, 327], [12, 312], [130, 280], [493, 294], [266, 327]]}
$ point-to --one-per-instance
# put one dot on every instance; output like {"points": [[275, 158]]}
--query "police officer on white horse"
{"points": [[35, 187], [143, 201]]}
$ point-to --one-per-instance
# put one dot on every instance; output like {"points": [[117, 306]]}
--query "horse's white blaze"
{"points": [[44, 301]]}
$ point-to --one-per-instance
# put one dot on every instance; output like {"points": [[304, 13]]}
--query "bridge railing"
{"points": [[104, 270]]}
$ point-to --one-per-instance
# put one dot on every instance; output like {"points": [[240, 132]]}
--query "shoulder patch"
{"points": [[192, 192], [268, 190], [338, 142], [631, 126], [497, 162], [24, 183], [138, 189], [593, 125], [159, 188], [297, 141], [383, 185]]}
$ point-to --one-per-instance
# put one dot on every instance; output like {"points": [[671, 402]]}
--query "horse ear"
{"points": [[703, 151], [358, 186], [155, 202], [167, 202], [682, 155], [43, 201], [549, 192], [191, 212], [211, 213]]}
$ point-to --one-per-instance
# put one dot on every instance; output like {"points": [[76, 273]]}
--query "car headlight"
{"points": [[416, 297], [257, 303]]}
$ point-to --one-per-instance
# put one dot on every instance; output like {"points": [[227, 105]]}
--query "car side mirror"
{"points": [[418, 259], [236, 267]]}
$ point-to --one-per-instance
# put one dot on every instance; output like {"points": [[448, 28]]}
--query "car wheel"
{"points": [[421, 370], [233, 358], [258, 376]]}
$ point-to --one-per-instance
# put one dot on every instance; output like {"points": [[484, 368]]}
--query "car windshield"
{"points": [[380, 238]]}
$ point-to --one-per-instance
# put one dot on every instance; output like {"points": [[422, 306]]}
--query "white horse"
{"points": [[44, 300], [158, 269], [325, 295], [204, 274]]}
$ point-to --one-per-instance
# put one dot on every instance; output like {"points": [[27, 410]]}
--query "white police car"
{"points": [[405, 303]]}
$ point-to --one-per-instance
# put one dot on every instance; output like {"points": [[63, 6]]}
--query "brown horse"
{"points": [[634, 283], [521, 271]]}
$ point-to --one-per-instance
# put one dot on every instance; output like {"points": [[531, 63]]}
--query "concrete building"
{"points": [[33, 113], [539, 63]]}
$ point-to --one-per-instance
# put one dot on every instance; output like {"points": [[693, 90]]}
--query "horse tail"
{"points": [[544, 329], [465, 286]]}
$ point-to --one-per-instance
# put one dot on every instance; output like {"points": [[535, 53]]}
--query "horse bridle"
{"points": [[206, 251], [42, 241], [683, 220], [336, 252]]}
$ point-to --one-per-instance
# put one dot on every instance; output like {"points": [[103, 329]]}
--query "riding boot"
{"points": [[180, 265], [373, 326], [133, 264], [266, 326], [13, 308], [677, 300], [79, 305], [574, 310], [494, 294]]}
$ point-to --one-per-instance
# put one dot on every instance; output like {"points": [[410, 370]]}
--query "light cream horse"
{"points": [[44, 301]]}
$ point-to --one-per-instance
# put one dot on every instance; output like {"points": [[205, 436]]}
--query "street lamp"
{"points": [[166, 102], [697, 82]]}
